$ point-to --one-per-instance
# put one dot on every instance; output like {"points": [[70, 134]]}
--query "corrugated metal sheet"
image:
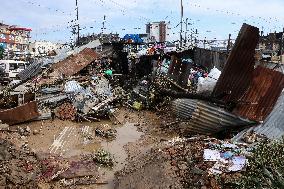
{"points": [[272, 127], [74, 63], [210, 59], [237, 73], [53, 98], [65, 52], [31, 71], [206, 118], [20, 114], [262, 94]]}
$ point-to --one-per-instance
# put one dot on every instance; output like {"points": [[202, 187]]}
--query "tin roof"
{"points": [[74, 63], [20, 114], [237, 73], [206, 118], [272, 127], [31, 71], [262, 94]]}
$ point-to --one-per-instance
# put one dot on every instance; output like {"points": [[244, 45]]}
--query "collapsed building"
{"points": [[206, 92]]}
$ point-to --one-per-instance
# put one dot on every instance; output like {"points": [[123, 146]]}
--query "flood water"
{"points": [[125, 134], [72, 143]]}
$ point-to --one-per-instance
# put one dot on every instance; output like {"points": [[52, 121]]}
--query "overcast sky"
{"points": [[212, 18]]}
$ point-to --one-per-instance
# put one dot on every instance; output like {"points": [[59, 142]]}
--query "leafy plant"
{"points": [[266, 167]]}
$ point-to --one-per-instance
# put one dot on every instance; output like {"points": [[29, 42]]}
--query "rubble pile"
{"points": [[201, 167], [66, 112], [205, 102]]}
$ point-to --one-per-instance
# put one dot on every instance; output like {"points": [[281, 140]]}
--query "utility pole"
{"points": [[104, 24], [191, 39], [185, 34], [229, 44], [181, 19], [281, 48], [78, 25]]}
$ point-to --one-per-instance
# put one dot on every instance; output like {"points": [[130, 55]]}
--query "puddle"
{"points": [[125, 134], [66, 139]]}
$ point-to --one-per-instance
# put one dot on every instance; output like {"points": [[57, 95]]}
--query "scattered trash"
{"points": [[206, 85], [185, 89]]}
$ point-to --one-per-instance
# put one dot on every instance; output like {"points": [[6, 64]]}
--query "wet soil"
{"points": [[139, 162]]}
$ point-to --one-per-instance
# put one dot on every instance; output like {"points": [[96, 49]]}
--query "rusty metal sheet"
{"points": [[74, 63], [20, 114], [206, 118], [262, 94], [272, 127], [237, 74]]}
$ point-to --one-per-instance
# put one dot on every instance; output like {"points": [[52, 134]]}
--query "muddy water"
{"points": [[73, 143], [125, 134]]}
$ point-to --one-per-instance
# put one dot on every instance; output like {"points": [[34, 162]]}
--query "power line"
{"points": [[35, 4]]}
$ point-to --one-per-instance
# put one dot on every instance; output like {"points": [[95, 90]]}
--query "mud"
{"points": [[135, 148]]}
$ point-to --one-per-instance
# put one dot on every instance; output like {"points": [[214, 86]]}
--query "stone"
{"points": [[35, 132]]}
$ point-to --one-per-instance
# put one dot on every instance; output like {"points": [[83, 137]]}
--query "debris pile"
{"points": [[204, 162], [238, 101]]}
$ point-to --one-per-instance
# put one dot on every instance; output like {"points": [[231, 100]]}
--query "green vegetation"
{"points": [[266, 167]]}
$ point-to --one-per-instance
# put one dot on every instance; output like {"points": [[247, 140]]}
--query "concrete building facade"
{"points": [[157, 31], [14, 39]]}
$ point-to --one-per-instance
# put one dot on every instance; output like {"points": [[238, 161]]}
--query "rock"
{"points": [[35, 132], [28, 129], [4, 126]]}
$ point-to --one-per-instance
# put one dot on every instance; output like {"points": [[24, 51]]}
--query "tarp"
{"points": [[134, 37]]}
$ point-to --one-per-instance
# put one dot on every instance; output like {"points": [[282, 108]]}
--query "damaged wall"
{"points": [[210, 59]]}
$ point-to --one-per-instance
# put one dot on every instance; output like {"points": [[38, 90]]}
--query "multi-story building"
{"points": [[14, 40], [271, 46], [157, 31]]}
